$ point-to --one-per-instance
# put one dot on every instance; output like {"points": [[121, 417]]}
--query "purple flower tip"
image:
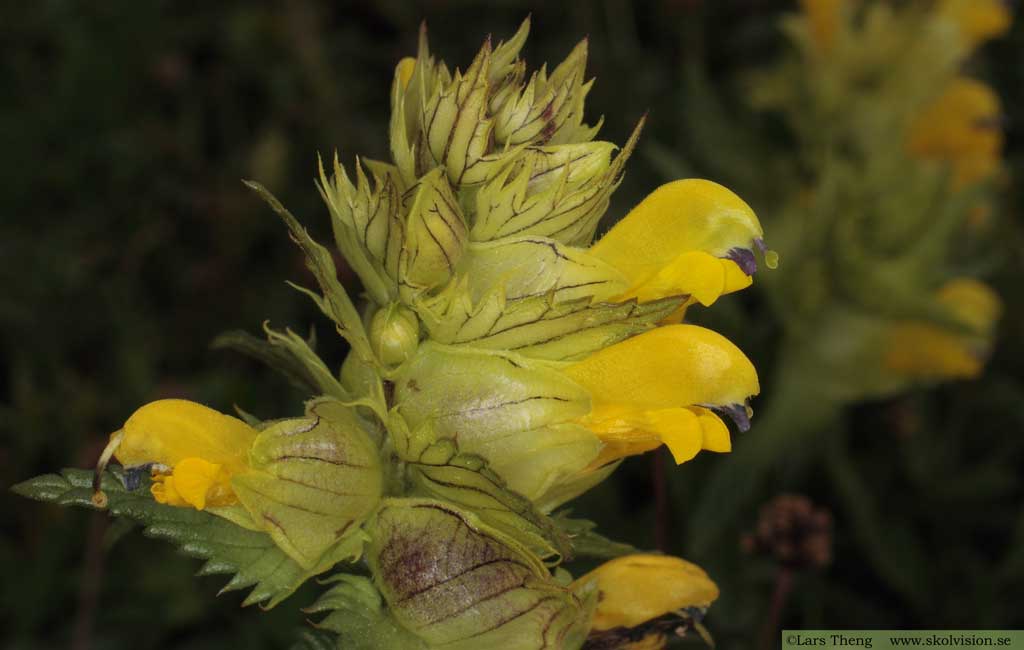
{"points": [[744, 258], [737, 413]]}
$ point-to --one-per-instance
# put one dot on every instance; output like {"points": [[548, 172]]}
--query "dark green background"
{"points": [[127, 243]]}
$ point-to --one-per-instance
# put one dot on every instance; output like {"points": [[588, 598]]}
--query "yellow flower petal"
{"points": [[651, 246], [931, 352], [716, 435], [671, 366], [824, 18], [685, 431], [973, 302], [978, 20], [168, 431], [634, 589], [654, 388], [404, 70], [164, 491], [197, 480], [694, 273], [961, 128]]}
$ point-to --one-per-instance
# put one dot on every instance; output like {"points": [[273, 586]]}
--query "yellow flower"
{"points": [[635, 589], [193, 449], [660, 388], [823, 20], [929, 351], [688, 237], [961, 128], [978, 20]]}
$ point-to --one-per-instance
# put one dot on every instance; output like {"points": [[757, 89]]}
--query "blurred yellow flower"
{"points": [[661, 387], [978, 20], [635, 589], [688, 237], [929, 351], [194, 451], [823, 21], [962, 128]]}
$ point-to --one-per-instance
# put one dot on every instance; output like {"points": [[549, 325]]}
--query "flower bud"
{"points": [[548, 109], [455, 131], [456, 583], [435, 236], [554, 191], [394, 334], [367, 221]]}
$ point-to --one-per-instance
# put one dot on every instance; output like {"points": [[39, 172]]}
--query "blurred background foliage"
{"points": [[127, 243]]}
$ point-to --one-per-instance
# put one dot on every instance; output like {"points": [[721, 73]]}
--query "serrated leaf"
{"points": [[251, 556], [290, 355], [359, 618], [335, 302]]}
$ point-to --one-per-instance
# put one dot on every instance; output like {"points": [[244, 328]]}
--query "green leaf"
{"points": [[358, 616], [250, 557], [586, 542], [335, 301], [288, 354]]}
